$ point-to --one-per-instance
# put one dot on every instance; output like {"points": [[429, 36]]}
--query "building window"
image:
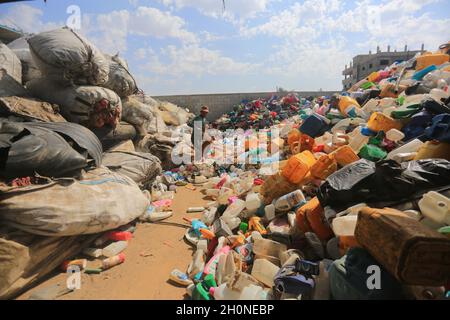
{"points": [[370, 66], [384, 62], [363, 68]]}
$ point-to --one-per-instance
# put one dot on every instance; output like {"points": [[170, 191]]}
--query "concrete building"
{"points": [[364, 64]]}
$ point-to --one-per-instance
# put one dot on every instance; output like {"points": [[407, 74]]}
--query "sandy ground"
{"points": [[151, 255]]}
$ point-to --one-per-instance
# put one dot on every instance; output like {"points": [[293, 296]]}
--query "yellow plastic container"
{"points": [[390, 91], [426, 60], [345, 102], [293, 136], [345, 155], [298, 166], [380, 122], [373, 76], [324, 166], [433, 149]]}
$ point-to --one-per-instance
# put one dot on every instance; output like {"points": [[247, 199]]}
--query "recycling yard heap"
{"points": [[361, 180]]}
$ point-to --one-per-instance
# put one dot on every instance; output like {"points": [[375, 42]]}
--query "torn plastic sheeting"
{"points": [[365, 181]]}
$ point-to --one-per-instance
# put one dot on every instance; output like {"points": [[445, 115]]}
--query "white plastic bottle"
{"points": [[252, 202], [223, 292], [289, 200], [233, 210], [114, 248], [253, 292], [410, 147], [344, 226], [269, 212], [394, 135]]}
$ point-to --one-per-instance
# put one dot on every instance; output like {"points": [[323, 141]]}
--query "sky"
{"points": [[202, 46]]}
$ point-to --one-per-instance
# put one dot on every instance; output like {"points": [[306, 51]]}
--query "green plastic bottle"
{"points": [[372, 153], [200, 293]]}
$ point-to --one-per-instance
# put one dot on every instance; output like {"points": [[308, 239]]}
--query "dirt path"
{"points": [[151, 255]]}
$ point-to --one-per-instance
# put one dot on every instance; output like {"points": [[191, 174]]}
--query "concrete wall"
{"points": [[221, 103]]}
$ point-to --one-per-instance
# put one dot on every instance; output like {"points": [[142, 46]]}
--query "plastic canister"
{"points": [[114, 248], [223, 292], [298, 166], [324, 166], [234, 209], [344, 226], [252, 202], [381, 122], [436, 207], [345, 155], [264, 271], [357, 139], [347, 105], [394, 135], [289, 201], [412, 146], [253, 292], [426, 60], [268, 249], [269, 212]]}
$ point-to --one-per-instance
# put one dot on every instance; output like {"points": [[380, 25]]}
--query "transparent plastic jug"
{"points": [[252, 202], [264, 271], [357, 140], [344, 226], [234, 209]]}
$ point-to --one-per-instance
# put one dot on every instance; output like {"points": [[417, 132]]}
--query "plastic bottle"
{"points": [[211, 265], [348, 106], [113, 261], [345, 155], [114, 248], [288, 201], [253, 292], [372, 153], [224, 194], [394, 135], [93, 252], [223, 292], [119, 236], [209, 216], [264, 271], [409, 147], [252, 202], [357, 140], [269, 212], [436, 207], [233, 210], [344, 226], [380, 122], [198, 261]]}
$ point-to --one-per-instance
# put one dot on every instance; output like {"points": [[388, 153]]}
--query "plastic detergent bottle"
{"points": [[289, 200], [210, 267]]}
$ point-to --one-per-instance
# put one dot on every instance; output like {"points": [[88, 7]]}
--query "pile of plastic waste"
{"points": [[264, 113], [358, 208]]}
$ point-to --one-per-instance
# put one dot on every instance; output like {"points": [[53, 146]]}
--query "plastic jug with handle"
{"points": [[298, 166]]}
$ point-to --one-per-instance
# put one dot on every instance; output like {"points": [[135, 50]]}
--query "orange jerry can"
{"points": [[324, 166], [390, 91], [298, 166], [380, 122], [293, 136], [310, 218], [345, 155], [427, 60]]}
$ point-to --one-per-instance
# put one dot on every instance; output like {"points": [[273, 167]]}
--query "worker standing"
{"points": [[198, 137]]}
